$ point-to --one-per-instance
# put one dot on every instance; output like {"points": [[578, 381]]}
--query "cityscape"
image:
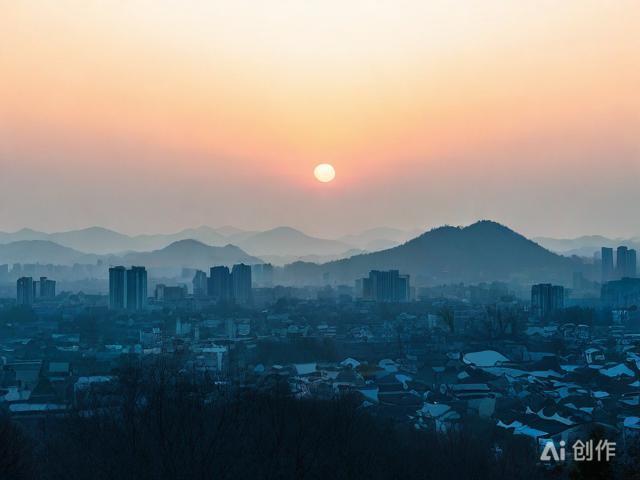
{"points": [[309, 240], [534, 362]]}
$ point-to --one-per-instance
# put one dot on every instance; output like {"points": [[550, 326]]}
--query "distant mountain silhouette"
{"points": [[183, 253], [93, 239], [287, 241], [281, 241], [480, 251], [189, 253], [232, 233], [484, 251], [585, 246], [378, 238], [228, 230], [23, 234], [281, 260], [42, 251], [102, 241], [202, 234]]}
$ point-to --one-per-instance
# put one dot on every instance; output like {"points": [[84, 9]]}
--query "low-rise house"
{"points": [[593, 355]]}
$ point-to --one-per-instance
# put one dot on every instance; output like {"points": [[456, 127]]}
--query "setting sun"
{"points": [[324, 173]]}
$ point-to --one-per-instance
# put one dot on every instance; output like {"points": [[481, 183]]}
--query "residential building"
{"points": [[25, 291], [623, 293], [384, 286], [219, 285], [241, 283], [117, 288], [626, 263], [127, 288], [621, 262], [632, 264], [45, 288], [608, 272], [546, 299], [199, 284], [136, 288]]}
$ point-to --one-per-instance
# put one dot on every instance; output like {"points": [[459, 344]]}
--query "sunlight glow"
{"points": [[324, 173]]}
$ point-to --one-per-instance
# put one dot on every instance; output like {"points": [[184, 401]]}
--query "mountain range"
{"points": [[289, 241], [190, 253], [103, 241], [587, 245], [183, 253], [43, 252], [279, 245], [483, 251]]}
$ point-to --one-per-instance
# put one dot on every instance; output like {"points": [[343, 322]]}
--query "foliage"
{"points": [[166, 426], [15, 451]]}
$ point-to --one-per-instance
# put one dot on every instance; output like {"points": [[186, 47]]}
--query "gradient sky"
{"points": [[149, 116]]}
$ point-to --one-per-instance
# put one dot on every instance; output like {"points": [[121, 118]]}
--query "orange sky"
{"points": [[151, 115]]}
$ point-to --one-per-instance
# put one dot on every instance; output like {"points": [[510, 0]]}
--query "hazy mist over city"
{"points": [[309, 240]]}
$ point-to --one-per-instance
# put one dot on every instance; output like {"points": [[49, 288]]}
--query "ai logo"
{"points": [[551, 453]]}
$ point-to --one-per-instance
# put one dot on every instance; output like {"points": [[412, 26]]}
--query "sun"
{"points": [[324, 173]]}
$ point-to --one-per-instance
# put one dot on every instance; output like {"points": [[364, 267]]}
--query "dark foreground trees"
{"points": [[159, 426], [15, 451]]}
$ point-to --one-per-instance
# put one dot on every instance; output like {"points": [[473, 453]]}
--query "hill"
{"points": [[42, 251], [22, 234], [189, 253], [103, 241], [93, 239], [287, 241], [484, 251], [281, 241]]}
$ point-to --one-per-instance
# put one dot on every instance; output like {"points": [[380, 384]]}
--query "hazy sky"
{"points": [[149, 116]]}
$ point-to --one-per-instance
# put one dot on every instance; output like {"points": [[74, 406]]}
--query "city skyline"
{"points": [[319, 239], [147, 117]]}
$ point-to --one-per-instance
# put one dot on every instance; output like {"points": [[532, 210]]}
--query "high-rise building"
{"points": [[621, 261], [623, 293], [241, 283], [546, 299], [199, 284], [608, 272], [45, 288], [384, 286], [632, 264], [25, 291], [219, 287], [403, 288], [136, 288], [117, 288], [626, 264]]}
